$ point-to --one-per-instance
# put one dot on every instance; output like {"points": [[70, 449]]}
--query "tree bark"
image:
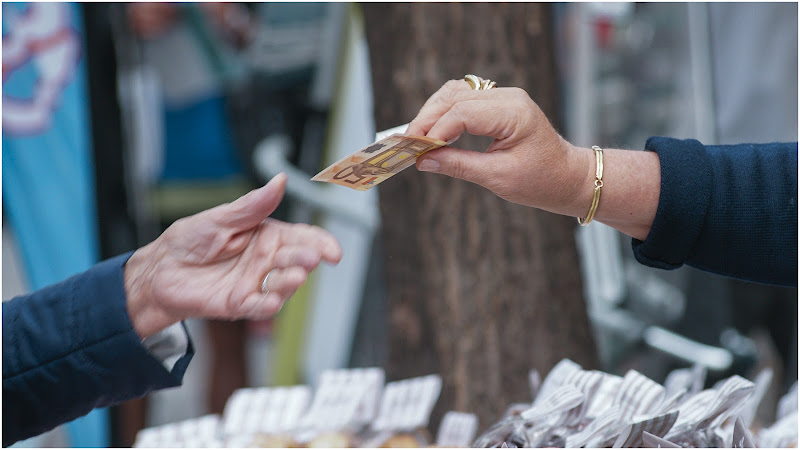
{"points": [[480, 290]]}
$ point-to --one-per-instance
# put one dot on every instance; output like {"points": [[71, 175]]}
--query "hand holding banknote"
{"points": [[528, 162], [531, 164], [507, 168]]}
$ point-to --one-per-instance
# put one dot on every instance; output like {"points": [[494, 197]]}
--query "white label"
{"points": [[555, 378], [554, 405], [198, 432], [457, 430], [749, 408], [268, 410], [605, 395], [597, 430], [344, 399], [638, 396], [657, 426], [407, 404], [588, 382]]}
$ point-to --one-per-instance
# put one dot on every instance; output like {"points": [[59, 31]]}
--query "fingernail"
{"points": [[429, 165]]}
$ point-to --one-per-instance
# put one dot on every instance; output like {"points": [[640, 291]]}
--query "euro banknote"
{"points": [[378, 161]]}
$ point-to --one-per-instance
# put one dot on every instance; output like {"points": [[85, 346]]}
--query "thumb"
{"points": [[252, 208], [472, 166]]}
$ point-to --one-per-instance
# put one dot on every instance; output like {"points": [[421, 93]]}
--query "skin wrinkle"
{"points": [[202, 250], [242, 260], [134, 282]]}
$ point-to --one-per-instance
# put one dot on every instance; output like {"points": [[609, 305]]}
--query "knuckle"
{"points": [[315, 229], [500, 188], [448, 92], [458, 170], [519, 93], [453, 84], [233, 307], [460, 110], [269, 309], [279, 257], [297, 276], [180, 224], [311, 257]]}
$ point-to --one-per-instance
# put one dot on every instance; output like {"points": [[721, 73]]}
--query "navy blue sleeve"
{"points": [[726, 209], [69, 348]]}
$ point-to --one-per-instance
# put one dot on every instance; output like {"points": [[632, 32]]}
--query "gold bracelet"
{"points": [[598, 186]]}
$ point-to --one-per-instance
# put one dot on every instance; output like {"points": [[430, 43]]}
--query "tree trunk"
{"points": [[480, 290]]}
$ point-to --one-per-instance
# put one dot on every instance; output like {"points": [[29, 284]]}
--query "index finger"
{"points": [[438, 104], [477, 117], [454, 94], [313, 236]]}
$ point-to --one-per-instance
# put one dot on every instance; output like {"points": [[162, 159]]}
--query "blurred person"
{"points": [[114, 332], [727, 209], [186, 45]]}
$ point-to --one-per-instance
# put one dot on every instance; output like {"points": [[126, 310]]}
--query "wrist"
{"points": [[145, 315]]}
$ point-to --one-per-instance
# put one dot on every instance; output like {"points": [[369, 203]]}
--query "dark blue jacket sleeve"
{"points": [[71, 347], [726, 209]]}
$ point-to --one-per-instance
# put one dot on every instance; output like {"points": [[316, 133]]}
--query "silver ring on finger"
{"points": [[264, 286]]}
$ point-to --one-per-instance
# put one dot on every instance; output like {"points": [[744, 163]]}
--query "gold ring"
{"points": [[479, 84], [474, 81]]}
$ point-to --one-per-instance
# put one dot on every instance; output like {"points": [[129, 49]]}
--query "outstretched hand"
{"points": [[212, 264]]}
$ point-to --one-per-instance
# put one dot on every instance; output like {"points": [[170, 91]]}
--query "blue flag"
{"points": [[48, 173]]}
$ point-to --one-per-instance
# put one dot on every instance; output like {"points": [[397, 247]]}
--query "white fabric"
{"points": [[168, 345]]}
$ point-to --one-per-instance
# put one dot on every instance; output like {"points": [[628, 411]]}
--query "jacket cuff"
{"points": [[686, 178], [139, 371], [71, 347], [168, 345]]}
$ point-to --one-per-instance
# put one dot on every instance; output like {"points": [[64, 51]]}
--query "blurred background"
{"points": [[119, 118]]}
